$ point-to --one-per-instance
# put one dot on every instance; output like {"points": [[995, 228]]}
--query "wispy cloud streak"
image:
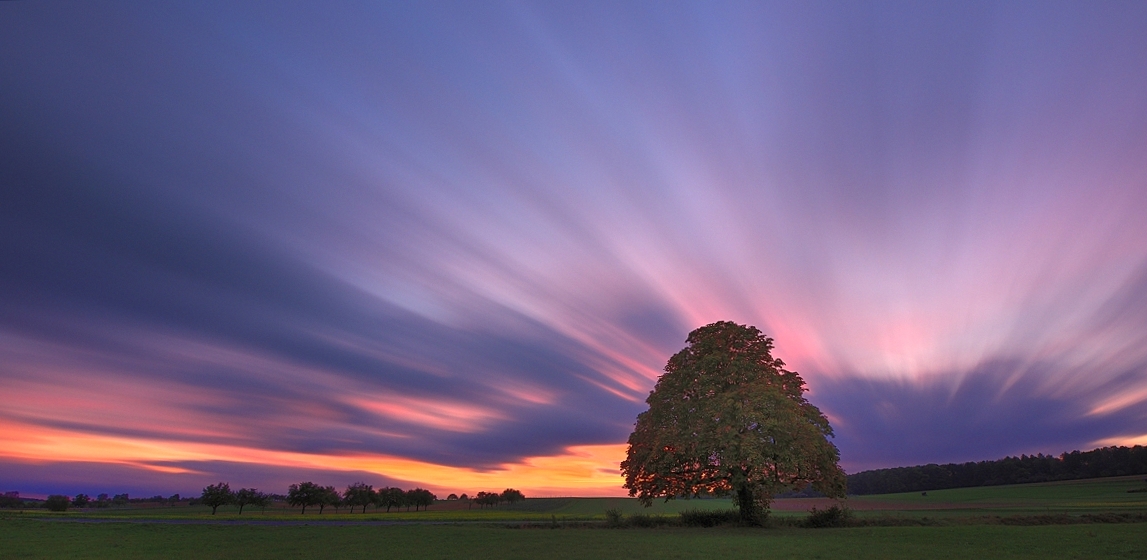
{"points": [[471, 237]]}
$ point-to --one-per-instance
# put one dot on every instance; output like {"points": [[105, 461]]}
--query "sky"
{"points": [[453, 244]]}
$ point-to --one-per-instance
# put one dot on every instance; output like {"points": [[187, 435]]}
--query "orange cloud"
{"points": [[587, 470]]}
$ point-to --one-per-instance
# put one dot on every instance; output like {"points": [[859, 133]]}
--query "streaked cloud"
{"points": [[463, 240]]}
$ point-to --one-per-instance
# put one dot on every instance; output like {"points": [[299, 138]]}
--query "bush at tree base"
{"points": [[703, 518], [834, 516]]}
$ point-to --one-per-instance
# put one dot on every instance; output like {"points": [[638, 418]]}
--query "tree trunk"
{"points": [[750, 510], [241, 509]]}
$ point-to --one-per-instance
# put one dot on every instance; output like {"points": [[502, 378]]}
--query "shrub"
{"points": [[613, 518], [702, 518], [834, 516], [644, 521], [56, 502]]}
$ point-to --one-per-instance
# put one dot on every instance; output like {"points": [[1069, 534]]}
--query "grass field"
{"points": [[959, 527], [1105, 495], [25, 538]]}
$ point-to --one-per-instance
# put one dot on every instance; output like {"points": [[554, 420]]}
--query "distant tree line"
{"points": [[491, 499], [59, 502], [302, 495], [1102, 462]]}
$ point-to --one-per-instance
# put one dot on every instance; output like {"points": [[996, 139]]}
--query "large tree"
{"points": [[725, 418]]}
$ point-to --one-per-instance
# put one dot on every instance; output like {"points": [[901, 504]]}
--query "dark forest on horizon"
{"points": [[1076, 465]]}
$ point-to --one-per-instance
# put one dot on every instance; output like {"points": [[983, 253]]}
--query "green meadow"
{"points": [[25, 538], [1020, 521]]}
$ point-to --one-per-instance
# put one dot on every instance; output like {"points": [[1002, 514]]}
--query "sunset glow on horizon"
{"points": [[453, 245]]}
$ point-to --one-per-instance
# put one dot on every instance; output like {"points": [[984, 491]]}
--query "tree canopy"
{"points": [[390, 497], [328, 496], [217, 495], [359, 494], [727, 418], [419, 497], [305, 494], [250, 496], [57, 502]]}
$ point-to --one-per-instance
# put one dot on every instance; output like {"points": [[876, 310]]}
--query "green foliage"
{"points": [[709, 518], [81, 500], [613, 517], [57, 502], [25, 538], [487, 499], [511, 496], [328, 496], [249, 496], [419, 497], [1102, 462], [390, 497], [305, 494], [11, 500], [359, 494], [216, 495], [726, 418], [834, 516]]}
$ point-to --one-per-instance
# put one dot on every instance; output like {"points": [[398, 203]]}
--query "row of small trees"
{"points": [[358, 494], [309, 494], [304, 494], [59, 502], [509, 496], [220, 494]]}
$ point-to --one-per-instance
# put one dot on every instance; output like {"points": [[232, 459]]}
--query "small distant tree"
{"points": [[120, 499], [511, 496], [249, 496], [452, 497], [305, 494], [11, 500], [81, 500], [390, 497], [359, 494], [491, 499], [57, 502], [217, 495], [173, 499], [424, 498], [262, 501], [328, 496]]}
